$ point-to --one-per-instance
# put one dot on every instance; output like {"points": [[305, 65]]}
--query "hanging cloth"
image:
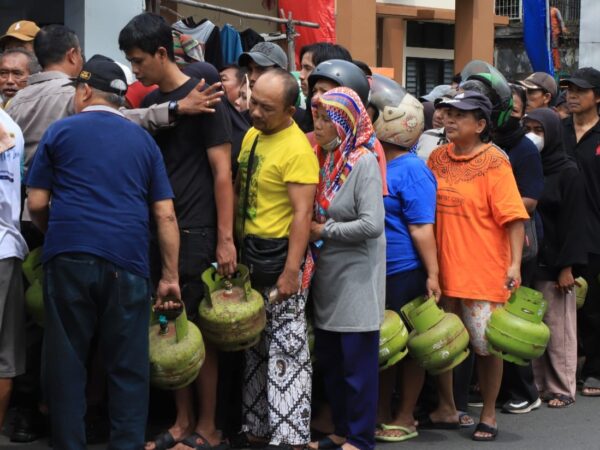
{"points": [[207, 34], [231, 44], [187, 49], [250, 38]]}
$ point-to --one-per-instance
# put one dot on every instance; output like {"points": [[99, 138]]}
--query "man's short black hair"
{"points": [[291, 90], [52, 43], [363, 66], [239, 71], [148, 32], [324, 51]]}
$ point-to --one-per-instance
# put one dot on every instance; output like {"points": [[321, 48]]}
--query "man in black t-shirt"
{"points": [[581, 139], [197, 155]]}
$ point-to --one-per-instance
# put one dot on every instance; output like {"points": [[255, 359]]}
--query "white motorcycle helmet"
{"points": [[399, 118]]}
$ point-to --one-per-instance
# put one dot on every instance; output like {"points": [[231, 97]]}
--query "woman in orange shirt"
{"points": [[479, 231]]}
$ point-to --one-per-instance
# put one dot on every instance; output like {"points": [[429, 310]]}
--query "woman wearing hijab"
{"points": [[479, 232], [562, 209], [348, 286]]}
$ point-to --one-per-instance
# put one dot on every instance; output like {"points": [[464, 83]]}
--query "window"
{"points": [[509, 8], [423, 74]]}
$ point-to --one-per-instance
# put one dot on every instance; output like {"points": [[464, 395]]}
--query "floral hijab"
{"points": [[354, 128]]}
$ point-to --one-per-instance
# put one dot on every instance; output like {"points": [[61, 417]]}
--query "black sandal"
{"points": [[326, 444], [485, 428], [164, 441], [565, 401], [192, 442]]}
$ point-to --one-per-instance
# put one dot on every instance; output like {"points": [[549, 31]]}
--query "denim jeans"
{"points": [[86, 295]]}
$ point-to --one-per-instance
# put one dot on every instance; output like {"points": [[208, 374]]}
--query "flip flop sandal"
{"points": [[591, 383], [326, 443], [192, 442], [408, 433], [484, 428], [565, 401], [164, 441], [429, 424]]}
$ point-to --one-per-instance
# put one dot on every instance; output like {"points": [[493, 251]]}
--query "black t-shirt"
{"points": [[587, 154], [185, 151]]}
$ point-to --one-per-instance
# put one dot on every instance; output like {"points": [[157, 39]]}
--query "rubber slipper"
{"points": [[192, 442], [565, 401], [429, 424], [326, 443], [408, 433], [164, 441], [484, 428], [591, 383]]}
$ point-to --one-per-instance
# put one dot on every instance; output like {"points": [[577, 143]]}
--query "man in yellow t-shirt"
{"points": [[284, 175]]}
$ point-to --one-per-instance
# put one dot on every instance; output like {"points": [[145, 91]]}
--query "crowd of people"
{"points": [[135, 180]]}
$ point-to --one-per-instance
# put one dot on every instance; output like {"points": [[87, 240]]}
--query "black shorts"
{"points": [[197, 250], [402, 287]]}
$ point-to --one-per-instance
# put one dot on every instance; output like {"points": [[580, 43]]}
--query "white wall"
{"points": [[442, 4], [98, 23], [589, 34]]}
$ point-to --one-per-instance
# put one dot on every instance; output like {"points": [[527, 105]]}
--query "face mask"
{"points": [[537, 140], [335, 143], [512, 123]]}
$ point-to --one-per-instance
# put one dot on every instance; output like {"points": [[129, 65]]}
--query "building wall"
{"points": [[443, 4], [42, 13], [240, 24], [589, 34], [98, 23], [511, 58]]}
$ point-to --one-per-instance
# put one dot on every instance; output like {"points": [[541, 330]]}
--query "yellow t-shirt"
{"points": [[281, 158]]}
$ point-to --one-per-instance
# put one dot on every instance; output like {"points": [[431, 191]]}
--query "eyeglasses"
{"points": [[18, 75]]}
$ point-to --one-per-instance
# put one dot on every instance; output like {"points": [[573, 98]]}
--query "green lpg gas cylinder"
{"points": [[393, 338], [176, 351], [516, 332], [232, 314], [438, 340]]}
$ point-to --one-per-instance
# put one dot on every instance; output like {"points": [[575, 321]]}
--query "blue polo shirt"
{"points": [[410, 201], [103, 171]]}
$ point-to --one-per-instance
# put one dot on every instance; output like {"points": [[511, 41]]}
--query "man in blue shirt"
{"points": [[103, 175]]}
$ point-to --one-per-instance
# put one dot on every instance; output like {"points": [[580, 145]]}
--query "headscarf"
{"points": [[354, 128], [345, 109], [554, 157]]}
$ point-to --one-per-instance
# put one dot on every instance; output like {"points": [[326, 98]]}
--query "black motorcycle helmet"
{"points": [[345, 74], [484, 78]]}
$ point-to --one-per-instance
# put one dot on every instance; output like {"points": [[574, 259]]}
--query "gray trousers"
{"points": [[277, 377], [554, 371]]}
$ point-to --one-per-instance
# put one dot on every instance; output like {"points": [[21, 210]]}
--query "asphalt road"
{"points": [[574, 428]]}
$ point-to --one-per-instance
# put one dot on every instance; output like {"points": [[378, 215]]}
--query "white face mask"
{"points": [[537, 140]]}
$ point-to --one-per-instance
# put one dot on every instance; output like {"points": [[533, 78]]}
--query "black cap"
{"points": [[585, 78], [104, 74], [468, 101]]}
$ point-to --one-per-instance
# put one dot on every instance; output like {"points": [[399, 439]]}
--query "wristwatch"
{"points": [[173, 107]]}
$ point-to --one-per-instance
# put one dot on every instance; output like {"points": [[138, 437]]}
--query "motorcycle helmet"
{"points": [[343, 73], [484, 78], [399, 117]]}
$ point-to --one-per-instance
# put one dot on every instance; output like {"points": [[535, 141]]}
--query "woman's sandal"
{"points": [[164, 441], [383, 428], [565, 401], [484, 428], [326, 444]]}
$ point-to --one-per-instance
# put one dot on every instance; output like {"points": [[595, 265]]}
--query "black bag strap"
{"points": [[247, 188]]}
